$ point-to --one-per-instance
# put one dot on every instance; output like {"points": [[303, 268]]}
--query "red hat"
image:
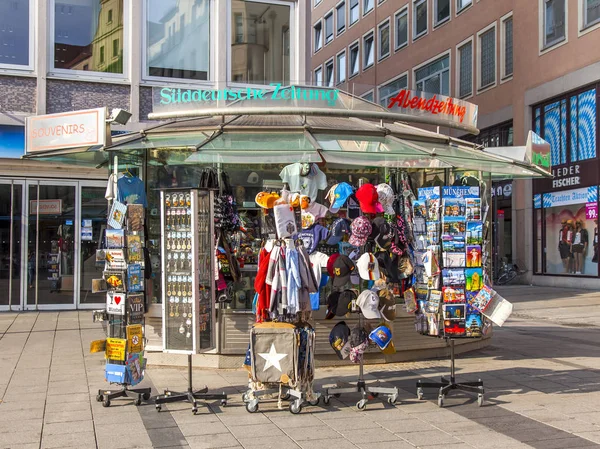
{"points": [[330, 263], [368, 199]]}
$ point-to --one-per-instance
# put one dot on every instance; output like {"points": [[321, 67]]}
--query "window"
{"points": [[434, 77], [116, 48], [263, 56], [354, 59], [391, 89], [318, 36], [185, 53], [15, 43], [487, 58], [317, 2], [384, 40], [462, 4], [341, 68], [401, 28], [368, 6], [554, 22], [239, 27], [507, 47], [82, 32], [110, 16], [583, 126], [318, 80], [328, 28], [368, 51], [329, 73], [368, 96], [465, 70], [340, 16], [441, 11], [419, 18], [591, 12], [354, 11]]}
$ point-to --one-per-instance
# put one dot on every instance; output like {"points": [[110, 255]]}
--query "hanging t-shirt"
{"points": [[311, 214], [312, 236], [306, 185], [130, 190], [318, 261]]}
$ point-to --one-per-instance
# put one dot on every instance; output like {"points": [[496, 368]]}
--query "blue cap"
{"points": [[338, 228], [341, 193], [382, 336]]}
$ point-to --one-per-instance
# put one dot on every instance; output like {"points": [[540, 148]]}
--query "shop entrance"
{"points": [[49, 233]]}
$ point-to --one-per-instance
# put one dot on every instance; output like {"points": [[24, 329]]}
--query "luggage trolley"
{"points": [[281, 360]]}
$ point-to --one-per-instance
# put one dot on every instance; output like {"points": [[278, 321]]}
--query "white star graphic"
{"points": [[272, 358]]}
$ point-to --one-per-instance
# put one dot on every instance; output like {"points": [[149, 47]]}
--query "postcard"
{"points": [[474, 233], [421, 323], [433, 302], [473, 212], [454, 228], [134, 248], [481, 300], [454, 260], [474, 279], [453, 295], [433, 210], [419, 209], [115, 279], [433, 233], [419, 225], [115, 259], [135, 217], [474, 324], [454, 328], [116, 216], [453, 277], [453, 246], [454, 209], [473, 256], [410, 300], [433, 323], [115, 238], [99, 285], [455, 311], [134, 277]]}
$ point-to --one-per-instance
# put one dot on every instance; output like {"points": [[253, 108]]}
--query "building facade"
{"points": [[528, 66], [67, 55]]}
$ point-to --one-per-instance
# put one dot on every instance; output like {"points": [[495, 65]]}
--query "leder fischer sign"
{"points": [[65, 130]]}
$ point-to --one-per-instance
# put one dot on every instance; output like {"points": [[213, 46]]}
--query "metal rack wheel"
{"points": [[362, 404], [480, 400], [138, 400], [106, 403], [295, 407], [252, 407], [326, 400], [420, 394], [158, 407], [146, 396], [441, 400], [99, 398], [314, 402]]}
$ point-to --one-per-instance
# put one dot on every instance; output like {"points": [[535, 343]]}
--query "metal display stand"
{"points": [[137, 394], [361, 387], [190, 395], [188, 296], [445, 386]]}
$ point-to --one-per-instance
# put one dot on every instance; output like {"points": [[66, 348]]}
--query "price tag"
{"points": [[591, 211]]}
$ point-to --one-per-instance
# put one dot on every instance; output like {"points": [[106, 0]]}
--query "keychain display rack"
{"points": [[445, 386], [366, 390], [188, 293], [123, 274]]}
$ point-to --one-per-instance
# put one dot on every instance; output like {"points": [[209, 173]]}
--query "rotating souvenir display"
{"points": [[188, 283], [452, 274]]}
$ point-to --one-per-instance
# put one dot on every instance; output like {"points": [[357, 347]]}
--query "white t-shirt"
{"points": [[318, 260], [312, 213], [306, 185]]}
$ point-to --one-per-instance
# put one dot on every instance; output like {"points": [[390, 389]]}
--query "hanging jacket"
{"points": [[294, 282], [261, 287]]}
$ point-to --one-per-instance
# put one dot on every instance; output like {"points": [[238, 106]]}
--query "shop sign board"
{"points": [[47, 207], [65, 130], [115, 303], [569, 197], [115, 348], [568, 177], [134, 338], [417, 103]]}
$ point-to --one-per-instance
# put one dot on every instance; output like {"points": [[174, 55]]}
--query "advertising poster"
{"points": [[115, 348], [115, 303], [135, 338]]}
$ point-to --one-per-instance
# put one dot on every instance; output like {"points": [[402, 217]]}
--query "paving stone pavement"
{"points": [[542, 381]]}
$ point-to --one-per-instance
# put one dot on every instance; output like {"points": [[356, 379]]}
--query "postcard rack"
{"points": [[123, 256]]}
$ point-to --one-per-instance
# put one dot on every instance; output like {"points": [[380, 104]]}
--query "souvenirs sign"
{"points": [[115, 303]]}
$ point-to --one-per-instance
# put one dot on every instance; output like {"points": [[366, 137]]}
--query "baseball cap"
{"points": [[368, 267], [339, 339], [381, 336], [368, 199], [342, 268], [383, 232], [338, 228], [338, 195], [359, 341], [332, 303], [345, 299], [330, 262], [386, 198], [368, 302], [361, 229], [387, 304]]}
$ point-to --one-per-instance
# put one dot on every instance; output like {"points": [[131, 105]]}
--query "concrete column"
{"points": [[43, 54], [135, 57]]}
